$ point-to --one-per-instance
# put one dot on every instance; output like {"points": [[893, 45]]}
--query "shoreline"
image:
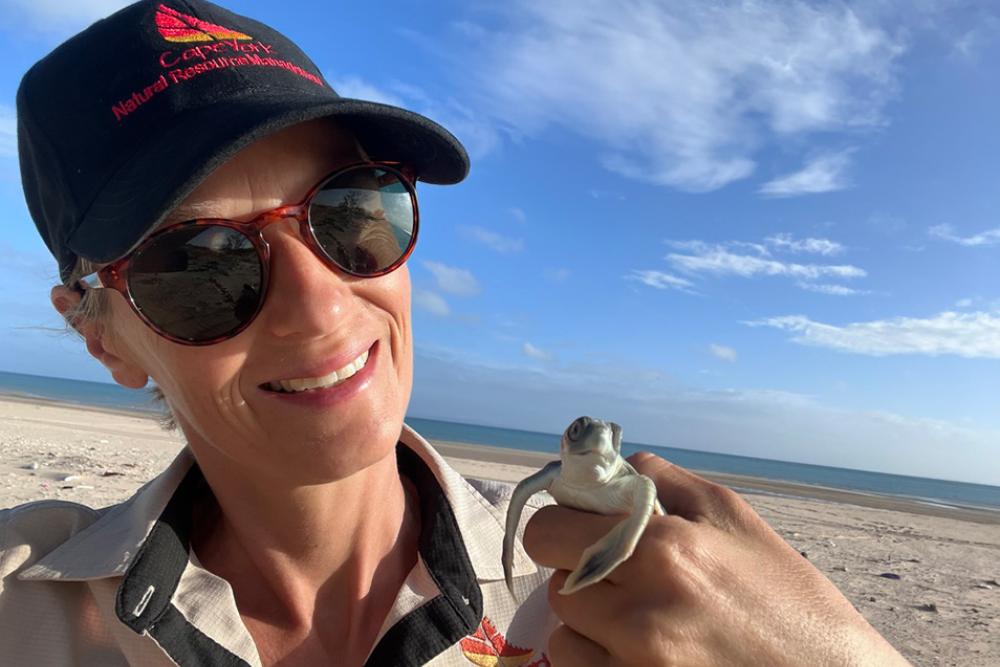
{"points": [[525, 459]]}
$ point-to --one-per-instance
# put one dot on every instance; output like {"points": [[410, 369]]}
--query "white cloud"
{"points": [[557, 275], [8, 132], [823, 247], [519, 214], [970, 335], [356, 88], [683, 94], [722, 352], [835, 290], [661, 280], [947, 233], [57, 16], [964, 303], [432, 302], [501, 244], [717, 260], [453, 280], [824, 173], [535, 353]]}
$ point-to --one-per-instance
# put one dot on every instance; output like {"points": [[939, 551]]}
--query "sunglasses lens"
{"points": [[364, 220], [198, 282]]}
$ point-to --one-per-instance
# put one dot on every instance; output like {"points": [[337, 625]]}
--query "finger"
{"points": [[684, 493], [567, 647], [556, 536], [594, 611]]}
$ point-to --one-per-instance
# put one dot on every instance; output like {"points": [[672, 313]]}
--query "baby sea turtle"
{"points": [[591, 476]]}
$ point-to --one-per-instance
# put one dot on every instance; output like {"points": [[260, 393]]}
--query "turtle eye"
{"points": [[575, 430]]}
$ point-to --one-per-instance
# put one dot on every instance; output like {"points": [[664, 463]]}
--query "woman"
{"points": [[228, 228]]}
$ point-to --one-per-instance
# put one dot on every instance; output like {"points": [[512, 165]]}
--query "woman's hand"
{"points": [[709, 584]]}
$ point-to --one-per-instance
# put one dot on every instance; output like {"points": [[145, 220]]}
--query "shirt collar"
{"points": [[107, 547]]}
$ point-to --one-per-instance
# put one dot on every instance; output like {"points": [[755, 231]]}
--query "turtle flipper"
{"points": [[600, 558], [529, 486]]}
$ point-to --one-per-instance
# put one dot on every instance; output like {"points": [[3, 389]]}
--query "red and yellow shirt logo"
{"points": [[177, 27], [487, 647]]}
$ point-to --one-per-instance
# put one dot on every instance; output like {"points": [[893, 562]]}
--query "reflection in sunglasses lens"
{"points": [[363, 220], [197, 283]]}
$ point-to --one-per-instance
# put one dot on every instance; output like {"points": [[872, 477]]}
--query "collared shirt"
{"points": [[122, 586]]}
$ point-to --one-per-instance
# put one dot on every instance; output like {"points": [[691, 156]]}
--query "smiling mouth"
{"points": [[338, 376]]}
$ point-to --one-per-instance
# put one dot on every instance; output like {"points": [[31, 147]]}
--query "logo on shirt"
{"points": [[487, 647], [177, 27]]}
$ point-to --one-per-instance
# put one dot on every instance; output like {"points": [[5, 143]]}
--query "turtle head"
{"points": [[594, 437]]}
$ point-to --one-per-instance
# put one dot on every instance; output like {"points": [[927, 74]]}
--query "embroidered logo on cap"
{"points": [[213, 48], [177, 27]]}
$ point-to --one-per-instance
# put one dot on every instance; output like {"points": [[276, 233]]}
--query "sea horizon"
{"points": [[109, 396]]}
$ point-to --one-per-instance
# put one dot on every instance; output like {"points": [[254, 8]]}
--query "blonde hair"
{"points": [[95, 306]]}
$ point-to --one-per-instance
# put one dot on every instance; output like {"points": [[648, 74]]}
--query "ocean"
{"points": [[112, 396]]}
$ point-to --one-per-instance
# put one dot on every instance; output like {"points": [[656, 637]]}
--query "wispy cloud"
{"points": [[453, 280], [501, 244], [519, 214], [947, 233], [834, 290], [824, 247], [971, 335], [718, 260], [535, 353], [661, 280], [357, 88], [557, 275], [722, 352], [432, 302], [8, 132], [824, 173], [57, 16], [684, 94]]}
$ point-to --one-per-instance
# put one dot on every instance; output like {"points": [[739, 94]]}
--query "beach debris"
{"points": [[111, 473], [804, 554], [928, 606], [992, 582], [67, 478], [604, 482], [30, 466], [840, 568], [871, 598], [890, 575], [984, 586]]}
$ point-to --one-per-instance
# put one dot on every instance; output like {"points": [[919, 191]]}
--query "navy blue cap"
{"points": [[122, 121]]}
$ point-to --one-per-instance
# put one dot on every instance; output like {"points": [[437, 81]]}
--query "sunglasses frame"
{"points": [[115, 275]]}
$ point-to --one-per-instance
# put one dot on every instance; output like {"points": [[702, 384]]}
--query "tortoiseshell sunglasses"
{"points": [[204, 281]]}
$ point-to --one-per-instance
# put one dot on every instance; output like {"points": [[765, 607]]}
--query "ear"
{"points": [[99, 342]]}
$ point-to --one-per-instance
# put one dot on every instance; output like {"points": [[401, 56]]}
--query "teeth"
{"points": [[329, 380]]}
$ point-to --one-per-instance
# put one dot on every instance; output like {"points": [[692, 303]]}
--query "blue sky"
{"points": [[763, 228]]}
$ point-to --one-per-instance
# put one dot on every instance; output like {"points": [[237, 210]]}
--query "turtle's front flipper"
{"points": [[600, 558], [528, 487]]}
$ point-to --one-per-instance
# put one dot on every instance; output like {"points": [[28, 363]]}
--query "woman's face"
{"points": [[315, 320]]}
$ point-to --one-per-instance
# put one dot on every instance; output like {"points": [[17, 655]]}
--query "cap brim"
{"points": [[172, 164]]}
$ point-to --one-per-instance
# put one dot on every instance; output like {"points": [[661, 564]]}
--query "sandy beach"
{"points": [[927, 576]]}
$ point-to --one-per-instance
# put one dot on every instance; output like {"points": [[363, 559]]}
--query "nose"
{"points": [[306, 298]]}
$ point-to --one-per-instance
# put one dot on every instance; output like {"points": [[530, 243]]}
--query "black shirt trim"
{"points": [[143, 601]]}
